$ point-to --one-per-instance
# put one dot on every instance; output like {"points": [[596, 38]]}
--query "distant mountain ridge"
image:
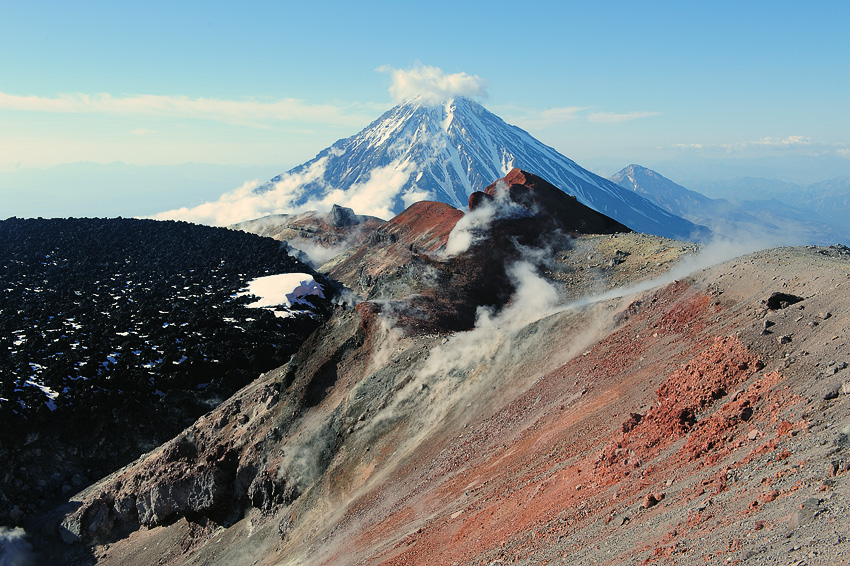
{"points": [[445, 153], [829, 199], [772, 218]]}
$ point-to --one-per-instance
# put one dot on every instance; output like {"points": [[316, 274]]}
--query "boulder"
{"points": [[777, 301], [342, 216]]}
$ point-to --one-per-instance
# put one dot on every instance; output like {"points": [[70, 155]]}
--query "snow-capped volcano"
{"points": [[446, 152]]}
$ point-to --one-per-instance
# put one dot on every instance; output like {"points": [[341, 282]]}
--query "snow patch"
{"points": [[51, 394], [285, 289]]}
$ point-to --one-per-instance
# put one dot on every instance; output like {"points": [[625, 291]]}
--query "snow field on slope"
{"points": [[285, 289]]}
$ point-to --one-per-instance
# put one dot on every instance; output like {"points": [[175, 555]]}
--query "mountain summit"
{"points": [[446, 152]]}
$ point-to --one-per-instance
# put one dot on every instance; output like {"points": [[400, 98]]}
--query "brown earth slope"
{"points": [[536, 452], [698, 418]]}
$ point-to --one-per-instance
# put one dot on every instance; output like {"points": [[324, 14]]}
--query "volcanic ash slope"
{"points": [[698, 420]]}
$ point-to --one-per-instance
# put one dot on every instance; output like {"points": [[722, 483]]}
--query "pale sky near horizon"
{"points": [[273, 83]]}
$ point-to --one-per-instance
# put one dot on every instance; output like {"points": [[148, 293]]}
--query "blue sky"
{"points": [[266, 85]]}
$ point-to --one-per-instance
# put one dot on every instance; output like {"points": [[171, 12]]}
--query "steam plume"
{"points": [[374, 196], [14, 548]]}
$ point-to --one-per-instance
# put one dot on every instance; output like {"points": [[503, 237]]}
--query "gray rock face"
{"points": [[196, 494], [101, 521], [267, 491], [805, 514], [185, 486], [90, 522], [70, 529], [125, 508], [342, 217], [159, 503], [341, 429]]}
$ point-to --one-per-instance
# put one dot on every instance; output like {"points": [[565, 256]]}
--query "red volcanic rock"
{"points": [[546, 200], [652, 499], [425, 225], [688, 391], [632, 421], [398, 262], [369, 312], [423, 228], [502, 463]]}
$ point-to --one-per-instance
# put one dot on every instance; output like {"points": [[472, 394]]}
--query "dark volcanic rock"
{"points": [[357, 451], [115, 334], [422, 229], [236, 458], [342, 216], [778, 301], [633, 420], [457, 147]]}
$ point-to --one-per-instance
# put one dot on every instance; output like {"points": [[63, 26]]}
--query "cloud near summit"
{"points": [[432, 84]]}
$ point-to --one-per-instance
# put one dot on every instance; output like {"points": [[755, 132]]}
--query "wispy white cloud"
{"points": [[537, 119], [617, 118], [769, 142], [249, 112], [804, 143], [245, 203], [533, 299], [687, 146], [562, 113], [540, 119], [432, 84], [790, 140], [374, 196]]}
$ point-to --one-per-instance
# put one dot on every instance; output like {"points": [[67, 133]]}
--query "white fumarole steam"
{"points": [[475, 225], [14, 548], [374, 196], [533, 299]]}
